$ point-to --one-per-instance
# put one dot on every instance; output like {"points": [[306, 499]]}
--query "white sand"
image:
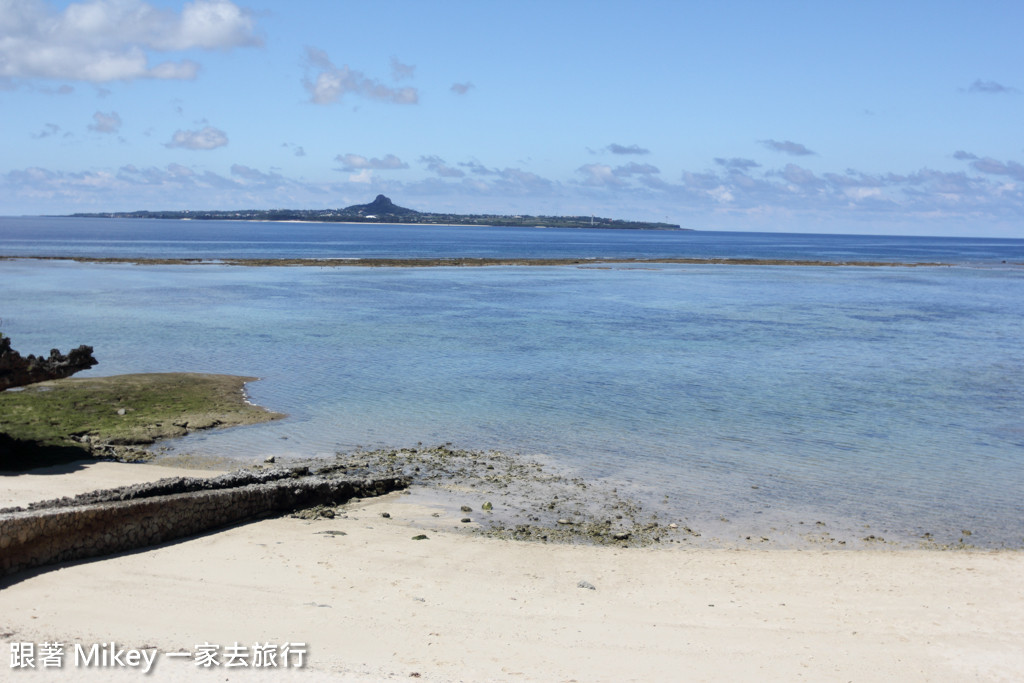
{"points": [[81, 477], [375, 604]]}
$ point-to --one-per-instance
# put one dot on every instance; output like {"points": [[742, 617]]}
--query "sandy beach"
{"points": [[367, 602]]}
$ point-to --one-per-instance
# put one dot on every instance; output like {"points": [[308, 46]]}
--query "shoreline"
{"points": [[529, 497], [119, 415], [475, 262], [371, 603]]}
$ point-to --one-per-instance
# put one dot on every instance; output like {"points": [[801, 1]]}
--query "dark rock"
{"points": [[16, 371]]}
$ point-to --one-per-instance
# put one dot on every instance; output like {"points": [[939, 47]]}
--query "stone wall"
{"points": [[35, 537]]}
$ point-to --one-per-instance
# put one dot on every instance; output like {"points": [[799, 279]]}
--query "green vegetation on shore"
{"points": [[382, 210], [115, 416]]}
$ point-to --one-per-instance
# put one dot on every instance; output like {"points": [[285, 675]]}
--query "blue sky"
{"points": [[866, 117]]}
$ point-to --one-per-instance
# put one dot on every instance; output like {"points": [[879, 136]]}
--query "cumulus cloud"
{"points": [[108, 40], [634, 168], [204, 139], [989, 88], [402, 72], [786, 147], [105, 123], [599, 175], [964, 156], [462, 88], [438, 166], [49, 130], [799, 176], [737, 164], [477, 168], [255, 175], [627, 149], [994, 167], [985, 189], [332, 83], [518, 181], [356, 162]]}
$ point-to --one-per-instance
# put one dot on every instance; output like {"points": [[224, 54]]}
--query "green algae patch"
{"points": [[118, 415]]}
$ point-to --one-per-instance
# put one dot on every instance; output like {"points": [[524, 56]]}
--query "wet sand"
{"points": [[370, 603]]}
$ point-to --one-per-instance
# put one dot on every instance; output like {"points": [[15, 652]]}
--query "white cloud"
{"points": [[108, 40], [477, 168], [799, 176], [786, 147], [49, 130], [364, 177], [994, 167], [333, 83], [737, 164], [206, 138], [987, 193], [105, 123], [212, 24], [252, 174], [357, 162], [599, 175], [627, 149], [634, 168], [438, 166], [402, 72], [989, 88]]}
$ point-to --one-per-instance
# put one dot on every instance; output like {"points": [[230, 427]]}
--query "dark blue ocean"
{"points": [[883, 401]]}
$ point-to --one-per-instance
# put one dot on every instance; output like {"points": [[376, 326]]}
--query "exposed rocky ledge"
{"points": [[17, 370]]}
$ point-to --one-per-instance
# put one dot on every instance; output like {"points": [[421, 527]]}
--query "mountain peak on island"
{"points": [[381, 206]]}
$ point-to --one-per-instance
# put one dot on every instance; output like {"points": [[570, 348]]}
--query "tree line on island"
{"points": [[383, 210]]}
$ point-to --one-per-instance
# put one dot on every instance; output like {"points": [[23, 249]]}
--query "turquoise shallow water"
{"points": [[858, 396], [134, 238]]}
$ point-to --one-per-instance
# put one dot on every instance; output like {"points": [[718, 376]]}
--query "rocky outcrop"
{"points": [[16, 370], [380, 207], [131, 517]]}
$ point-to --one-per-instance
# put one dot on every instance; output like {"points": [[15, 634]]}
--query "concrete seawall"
{"points": [[135, 517]]}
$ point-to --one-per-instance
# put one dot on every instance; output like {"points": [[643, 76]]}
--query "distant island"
{"points": [[383, 210]]}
